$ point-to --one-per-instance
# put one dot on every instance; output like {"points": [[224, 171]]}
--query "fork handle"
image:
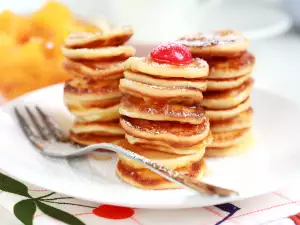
{"points": [[171, 175]]}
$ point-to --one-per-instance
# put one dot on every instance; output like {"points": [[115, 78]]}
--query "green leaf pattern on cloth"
{"points": [[13, 186], [25, 210], [59, 214]]}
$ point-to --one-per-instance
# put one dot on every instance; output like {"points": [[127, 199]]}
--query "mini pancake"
{"points": [[227, 99], [76, 90], [95, 70], [241, 121], [113, 37], [241, 148], [161, 111], [108, 128], [223, 114], [229, 138], [225, 84], [197, 69], [99, 54], [89, 139], [176, 134], [143, 90], [223, 68], [226, 43], [199, 84], [164, 147], [141, 179], [171, 161], [95, 111]]}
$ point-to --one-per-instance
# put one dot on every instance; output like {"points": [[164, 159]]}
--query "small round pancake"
{"points": [[114, 37], [76, 90], [89, 139], [176, 134], [105, 53], [161, 111], [95, 70], [241, 148], [241, 121], [94, 110], [108, 128], [226, 84], [164, 147], [197, 69], [141, 179], [229, 98], [139, 89], [169, 160], [223, 114], [226, 43], [229, 138], [223, 68], [199, 84]]}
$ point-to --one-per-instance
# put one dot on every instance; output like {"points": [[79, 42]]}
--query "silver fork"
{"points": [[45, 134]]}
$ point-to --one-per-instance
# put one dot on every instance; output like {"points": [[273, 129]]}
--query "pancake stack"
{"points": [[96, 60], [163, 120], [226, 101]]}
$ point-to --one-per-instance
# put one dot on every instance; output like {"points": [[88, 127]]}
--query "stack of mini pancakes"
{"points": [[226, 101], [96, 60], [162, 119]]}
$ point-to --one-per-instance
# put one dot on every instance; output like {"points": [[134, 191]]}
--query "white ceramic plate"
{"points": [[273, 161]]}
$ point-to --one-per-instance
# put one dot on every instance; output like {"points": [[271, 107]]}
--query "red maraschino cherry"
{"points": [[171, 53]]}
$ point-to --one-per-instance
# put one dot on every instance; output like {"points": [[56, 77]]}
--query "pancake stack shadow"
{"points": [[96, 60], [162, 119], [227, 99]]}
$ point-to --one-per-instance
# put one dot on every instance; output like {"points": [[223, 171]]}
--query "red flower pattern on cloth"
{"points": [[113, 212]]}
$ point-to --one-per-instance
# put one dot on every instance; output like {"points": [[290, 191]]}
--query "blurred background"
{"points": [[32, 31]]}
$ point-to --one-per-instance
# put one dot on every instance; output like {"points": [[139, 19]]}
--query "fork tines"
{"points": [[39, 128]]}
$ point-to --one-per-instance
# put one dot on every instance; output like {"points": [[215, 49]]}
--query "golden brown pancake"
{"points": [[227, 99], [161, 111], [165, 147], [226, 43], [243, 146], [113, 37], [143, 90], [176, 134], [223, 68], [169, 160], [229, 138], [197, 69], [102, 110], [146, 179], [100, 54], [226, 84], [89, 139], [177, 82], [95, 70], [223, 114], [241, 121], [89, 90], [107, 128]]}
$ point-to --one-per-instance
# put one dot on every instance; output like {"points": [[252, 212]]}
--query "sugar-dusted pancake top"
{"points": [[196, 69], [113, 37], [219, 43]]}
